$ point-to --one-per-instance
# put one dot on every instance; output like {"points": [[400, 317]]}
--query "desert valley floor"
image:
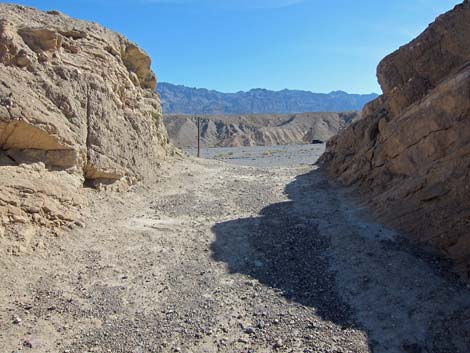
{"points": [[219, 257]]}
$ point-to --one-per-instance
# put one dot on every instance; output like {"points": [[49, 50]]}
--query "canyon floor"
{"points": [[218, 257]]}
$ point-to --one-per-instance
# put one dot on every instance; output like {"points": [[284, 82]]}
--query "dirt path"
{"points": [[219, 258]]}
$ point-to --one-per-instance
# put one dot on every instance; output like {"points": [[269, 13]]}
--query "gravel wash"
{"points": [[212, 257]]}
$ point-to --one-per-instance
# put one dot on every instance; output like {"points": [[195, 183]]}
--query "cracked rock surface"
{"points": [[74, 86], [410, 153], [77, 106]]}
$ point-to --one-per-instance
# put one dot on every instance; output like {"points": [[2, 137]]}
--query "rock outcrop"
{"points": [[77, 106], [410, 153], [257, 130]]}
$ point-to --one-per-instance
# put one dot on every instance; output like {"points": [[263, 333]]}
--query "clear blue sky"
{"points": [[231, 45]]}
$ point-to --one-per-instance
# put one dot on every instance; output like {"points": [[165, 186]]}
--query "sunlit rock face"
{"points": [[410, 153], [70, 85], [77, 105], [257, 130]]}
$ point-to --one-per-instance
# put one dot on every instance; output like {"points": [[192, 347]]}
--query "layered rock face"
{"points": [[77, 105], [257, 130], [410, 153]]}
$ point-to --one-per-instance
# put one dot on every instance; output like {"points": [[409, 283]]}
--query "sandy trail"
{"points": [[221, 258]]}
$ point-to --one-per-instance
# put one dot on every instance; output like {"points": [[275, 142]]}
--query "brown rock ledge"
{"points": [[410, 153]]}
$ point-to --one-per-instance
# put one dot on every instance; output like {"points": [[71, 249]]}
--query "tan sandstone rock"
{"points": [[78, 103], [410, 154]]}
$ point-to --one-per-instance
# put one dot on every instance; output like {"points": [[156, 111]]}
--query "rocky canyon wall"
{"points": [[410, 153], [77, 106]]}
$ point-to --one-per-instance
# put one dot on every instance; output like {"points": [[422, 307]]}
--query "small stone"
{"points": [[33, 209], [261, 324], [249, 330], [16, 320], [74, 49], [22, 59], [80, 224], [278, 343], [19, 219]]}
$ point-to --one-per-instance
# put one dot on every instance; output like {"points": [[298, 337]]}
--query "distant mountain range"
{"points": [[177, 99]]}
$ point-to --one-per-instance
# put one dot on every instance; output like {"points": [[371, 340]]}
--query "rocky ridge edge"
{"points": [[410, 153]]}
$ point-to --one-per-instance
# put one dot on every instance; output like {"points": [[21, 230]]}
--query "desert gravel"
{"points": [[214, 257]]}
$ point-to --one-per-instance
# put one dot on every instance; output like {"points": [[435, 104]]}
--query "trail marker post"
{"points": [[198, 137]]}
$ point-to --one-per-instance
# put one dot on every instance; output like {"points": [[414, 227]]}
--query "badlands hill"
{"points": [[257, 130], [410, 153], [177, 99], [77, 107]]}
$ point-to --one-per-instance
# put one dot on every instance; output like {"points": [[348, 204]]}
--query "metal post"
{"points": [[198, 137]]}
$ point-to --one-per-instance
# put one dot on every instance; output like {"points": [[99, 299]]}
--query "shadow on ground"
{"points": [[285, 252], [283, 248]]}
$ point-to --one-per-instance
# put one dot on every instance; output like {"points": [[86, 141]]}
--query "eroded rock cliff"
{"points": [[77, 106], [410, 153]]}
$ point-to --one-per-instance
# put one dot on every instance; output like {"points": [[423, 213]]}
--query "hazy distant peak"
{"points": [[179, 99]]}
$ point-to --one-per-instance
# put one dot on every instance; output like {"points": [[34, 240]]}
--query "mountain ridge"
{"points": [[180, 99]]}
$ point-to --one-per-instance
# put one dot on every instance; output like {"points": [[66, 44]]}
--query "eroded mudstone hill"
{"points": [[77, 106], [257, 130], [411, 150]]}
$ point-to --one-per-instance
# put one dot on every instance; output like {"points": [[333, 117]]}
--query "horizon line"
{"points": [[266, 89]]}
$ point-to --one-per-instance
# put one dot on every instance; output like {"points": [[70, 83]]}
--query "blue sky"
{"points": [[232, 45]]}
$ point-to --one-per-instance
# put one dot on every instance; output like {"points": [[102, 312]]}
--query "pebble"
{"points": [[16, 320], [28, 344], [80, 224], [249, 330]]}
